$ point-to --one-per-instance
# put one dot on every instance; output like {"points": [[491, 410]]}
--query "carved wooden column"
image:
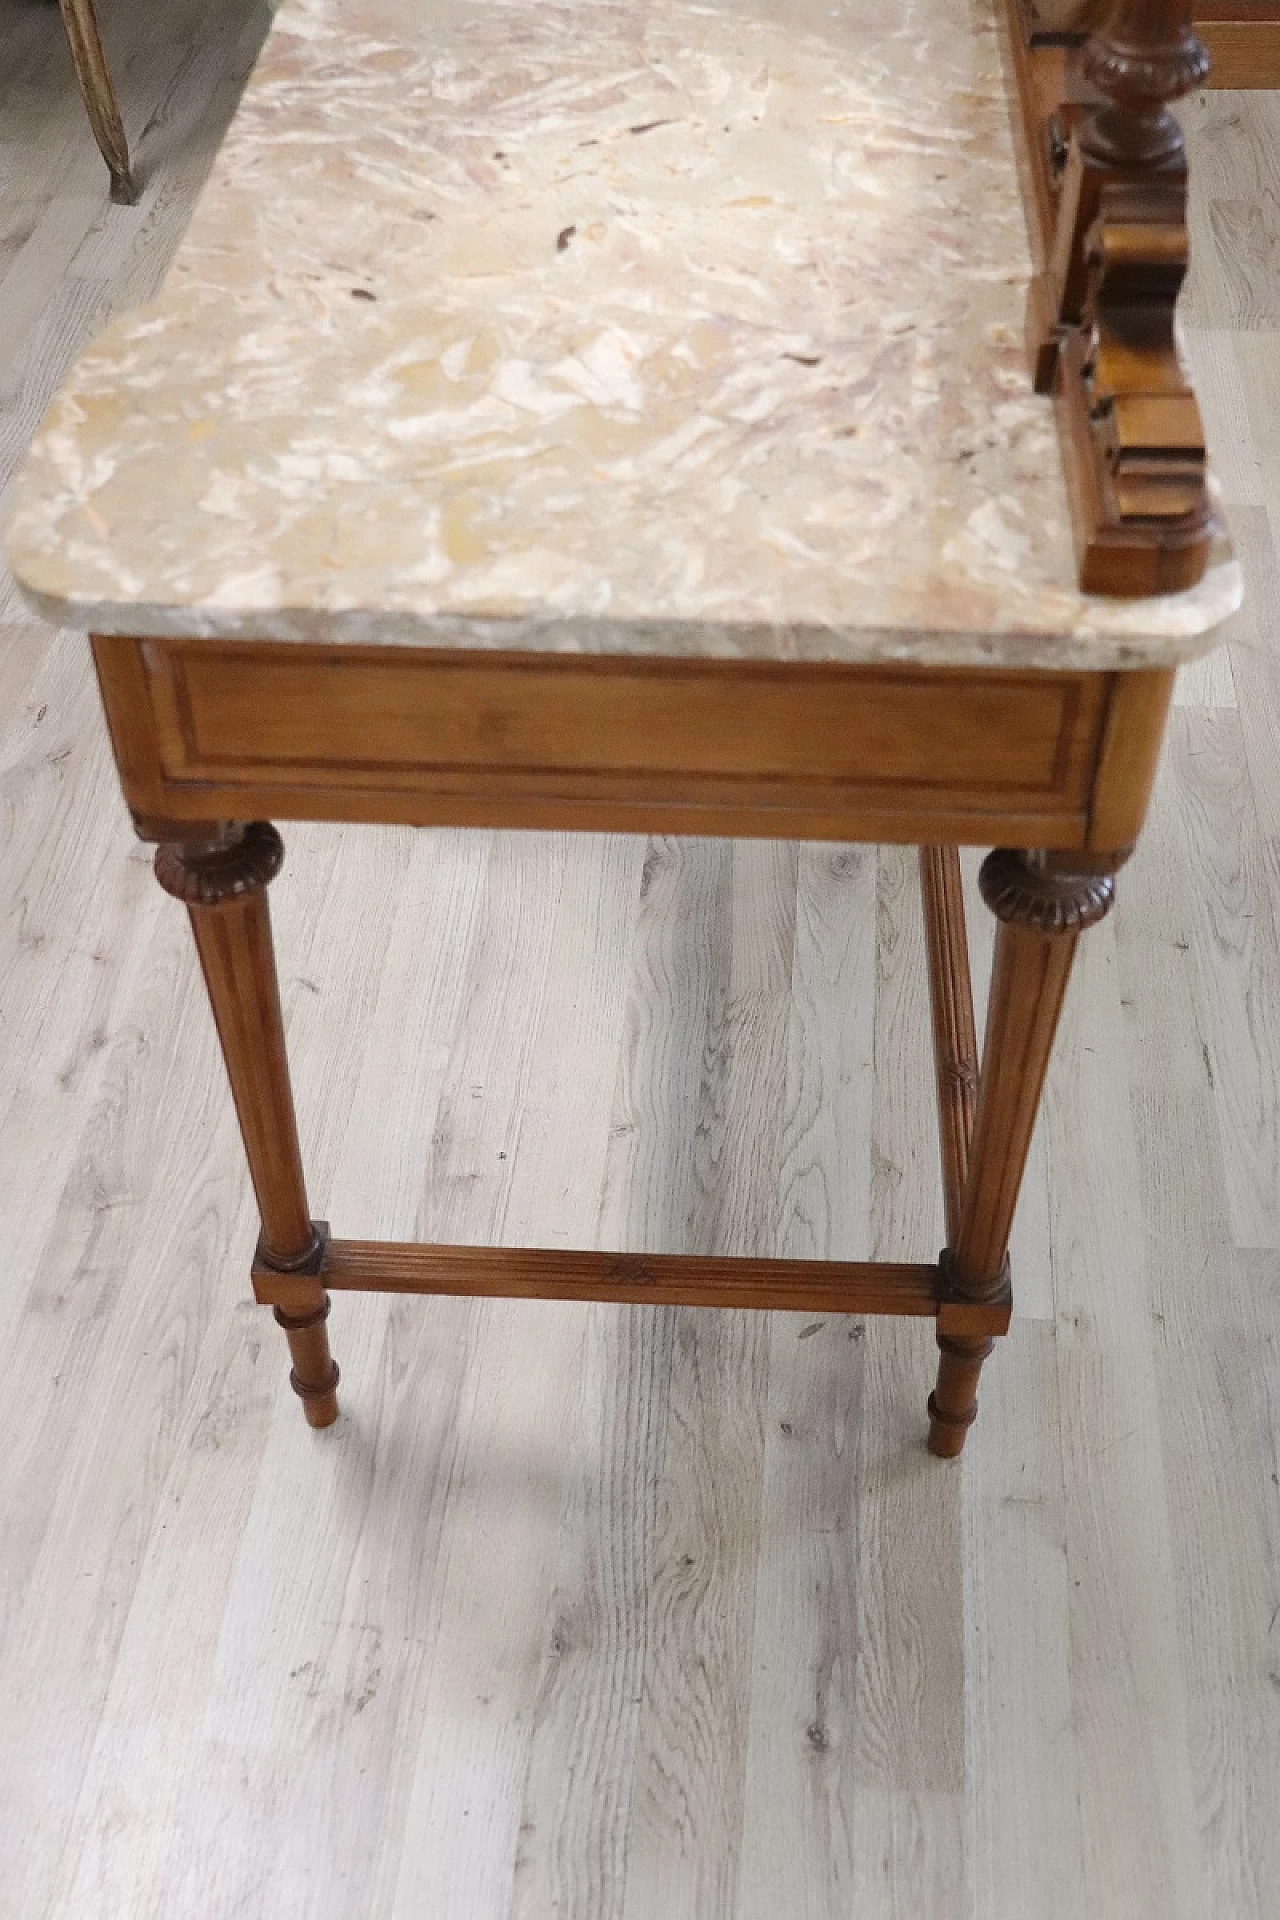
{"points": [[1102, 313], [222, 873], [1042, 906]]}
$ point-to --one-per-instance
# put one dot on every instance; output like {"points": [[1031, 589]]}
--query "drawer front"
{"points": [[553, 739]]}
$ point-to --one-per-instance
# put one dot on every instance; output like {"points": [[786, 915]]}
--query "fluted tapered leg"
{"points": [[222, 877], [1042, 907]]}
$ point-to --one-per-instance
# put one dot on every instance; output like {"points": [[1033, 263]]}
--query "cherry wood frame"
{"points": [[1055, 768]]}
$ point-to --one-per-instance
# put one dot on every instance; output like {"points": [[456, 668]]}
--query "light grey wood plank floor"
{"points": [[619, 1614]]}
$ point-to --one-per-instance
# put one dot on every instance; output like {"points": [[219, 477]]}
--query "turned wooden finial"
{"points": [[1146, 56]]}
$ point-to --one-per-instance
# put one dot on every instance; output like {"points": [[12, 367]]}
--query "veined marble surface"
{"points": [[651, 325]]}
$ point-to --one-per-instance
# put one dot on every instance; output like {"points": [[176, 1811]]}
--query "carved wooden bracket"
{"points": [[1110, 174]]}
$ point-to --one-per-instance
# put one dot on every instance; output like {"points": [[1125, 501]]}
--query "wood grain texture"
{"points": [[222, 878], [1127, 1675], [802, 1777], [243, 1671], [1128, 755], [1024, 1825], [1212, 1380], [908, 1842], [685, 1831], [1244, 51], [1042, 908], [1029, 1242], [87, 1339], [207, 730], [544, 1273], [499, 1560], [955, 1038], [572, 1850], [1233, 236], [1232, 877], [802, 1788]]}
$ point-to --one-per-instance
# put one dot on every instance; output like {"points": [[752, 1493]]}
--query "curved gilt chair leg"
{"points": [[221, 873], [99, 95], [1042, 902]]}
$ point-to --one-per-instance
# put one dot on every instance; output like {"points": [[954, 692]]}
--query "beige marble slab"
{"points": [[638, 325]]}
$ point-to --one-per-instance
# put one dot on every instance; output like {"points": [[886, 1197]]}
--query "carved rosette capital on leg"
{"points": [[1048, 893], [221, 874], [1042, 903]]}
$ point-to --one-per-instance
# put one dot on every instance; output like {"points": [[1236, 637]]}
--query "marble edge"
{"points": [[1110, 647]]}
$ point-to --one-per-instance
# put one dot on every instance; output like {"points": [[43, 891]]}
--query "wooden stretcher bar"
{"points": [[693, 1280]]}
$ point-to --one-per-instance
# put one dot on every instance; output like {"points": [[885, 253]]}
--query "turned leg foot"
{"points": [[953, 1404], [221, 873], [1042, 902], [314, 1377]]}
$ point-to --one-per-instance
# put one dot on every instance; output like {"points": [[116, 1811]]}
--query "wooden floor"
{"points": [[624, 1613]]}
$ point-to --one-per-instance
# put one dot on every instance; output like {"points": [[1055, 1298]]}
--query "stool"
{"points": [[581, 418]]}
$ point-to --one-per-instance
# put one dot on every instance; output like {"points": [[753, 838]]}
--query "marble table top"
{"points": [[662, 326]]}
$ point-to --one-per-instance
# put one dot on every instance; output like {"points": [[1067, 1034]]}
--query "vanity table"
{"points": [[598, 417]]}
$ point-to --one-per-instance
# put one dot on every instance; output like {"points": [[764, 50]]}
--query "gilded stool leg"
{"points": [[1043, 902], [222, 877]]}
